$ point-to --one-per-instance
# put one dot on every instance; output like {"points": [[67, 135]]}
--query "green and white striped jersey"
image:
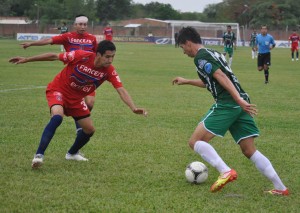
{"points": [[207, 62]]}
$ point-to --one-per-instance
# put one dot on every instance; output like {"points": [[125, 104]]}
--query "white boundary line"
{"points": [[25, 88]]}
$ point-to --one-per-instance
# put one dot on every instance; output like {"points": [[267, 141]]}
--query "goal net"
{"points": [[211, 33]]}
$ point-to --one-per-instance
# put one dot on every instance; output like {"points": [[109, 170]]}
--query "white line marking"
{"points": [[25, 88]]}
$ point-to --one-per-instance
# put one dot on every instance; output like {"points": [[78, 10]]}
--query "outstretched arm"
{"points": [[126, 98], [227, 84], [193, 82], [41, 57], [37, 43]]}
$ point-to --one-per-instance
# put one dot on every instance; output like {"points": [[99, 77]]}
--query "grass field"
{"points": [[137, 164]]}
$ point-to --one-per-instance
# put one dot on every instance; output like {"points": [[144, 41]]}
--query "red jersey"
{"points": [[108, 32], [75, 41], [80, 77], [294, 38]]}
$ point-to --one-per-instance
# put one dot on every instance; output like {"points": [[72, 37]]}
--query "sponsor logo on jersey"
{"points": [[208, 68], [201, 63], [81, 41], [58, 96], [69, 56], [87, 70]]}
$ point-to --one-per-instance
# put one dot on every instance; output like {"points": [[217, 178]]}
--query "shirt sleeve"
{"points": [[272, 40], [60, 39], [114, 78], [234, 37], [73, 56]]}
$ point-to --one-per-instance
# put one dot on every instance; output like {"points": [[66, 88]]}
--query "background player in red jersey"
{"points": [[76, 40], [294, 38], [108, 33], [84, 72]]}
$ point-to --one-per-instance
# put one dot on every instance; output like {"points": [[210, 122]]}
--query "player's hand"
{"points": [[179, 81], [140, 111], [17, 60], [249, 108], [25, 45]]}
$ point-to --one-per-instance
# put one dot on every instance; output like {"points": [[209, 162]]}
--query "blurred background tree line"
{"points": [[277, 14]]}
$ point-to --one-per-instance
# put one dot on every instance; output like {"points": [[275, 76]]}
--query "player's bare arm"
{"points": [[41, 57], [126, 98], [193, 82], [37, 43], [227, 84]]}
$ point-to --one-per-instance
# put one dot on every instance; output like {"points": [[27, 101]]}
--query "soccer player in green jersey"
{"points": [[63, 29], [229, 41], [253, 43], [232, 111]]}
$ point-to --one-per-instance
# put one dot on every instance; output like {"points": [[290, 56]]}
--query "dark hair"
{"points": [[105, 45], [189, 34], [80, 15], [229, 26]]}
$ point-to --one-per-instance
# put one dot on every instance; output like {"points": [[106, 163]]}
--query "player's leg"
{"points": [[297, 53], [205, 131], [260, 62], [292, 53], [89, 102], [82, 138], [267, 63], [57, 113], [199, 143], [225, 51], [253, 51], [230, 54], [263, 164]]}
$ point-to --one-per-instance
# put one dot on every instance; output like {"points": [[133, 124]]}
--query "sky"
{"points": [[184, 5]]}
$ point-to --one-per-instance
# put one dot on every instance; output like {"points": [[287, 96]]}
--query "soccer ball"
{"points": [[196, 172]]}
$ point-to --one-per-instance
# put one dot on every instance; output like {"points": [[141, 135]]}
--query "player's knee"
{"points": [[259, 68], [266, 67], [89, 130]]}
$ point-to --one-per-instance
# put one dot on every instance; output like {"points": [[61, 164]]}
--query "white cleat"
{"points": [[37, 161], [78, 157]]}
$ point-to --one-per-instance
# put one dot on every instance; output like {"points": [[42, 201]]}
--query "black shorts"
{"points": [[264, 59]]}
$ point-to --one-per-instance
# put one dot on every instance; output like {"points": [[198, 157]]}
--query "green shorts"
{"points": [[223, 117], [228, 50]]}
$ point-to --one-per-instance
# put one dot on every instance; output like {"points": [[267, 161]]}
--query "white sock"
{"points": [[253, 54], [230, 62], [209, 154], [265, 167]]}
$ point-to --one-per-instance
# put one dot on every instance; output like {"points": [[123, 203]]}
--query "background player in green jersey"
{"points": [[232, 111], [63, 29], [229, 41], [253, 43]]}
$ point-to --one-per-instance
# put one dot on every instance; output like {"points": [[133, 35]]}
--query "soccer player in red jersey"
{"points": [[294, 38], [108, 33], [76, 40], [84, 72]]}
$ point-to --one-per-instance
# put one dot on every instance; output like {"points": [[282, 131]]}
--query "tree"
{"points": [[161, 11], [112, 10]]}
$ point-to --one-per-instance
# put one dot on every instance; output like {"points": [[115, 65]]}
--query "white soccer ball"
{"points": [[196, 172]]}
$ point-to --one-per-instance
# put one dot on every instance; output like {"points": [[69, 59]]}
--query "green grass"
{"points": [[137, 164]]}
